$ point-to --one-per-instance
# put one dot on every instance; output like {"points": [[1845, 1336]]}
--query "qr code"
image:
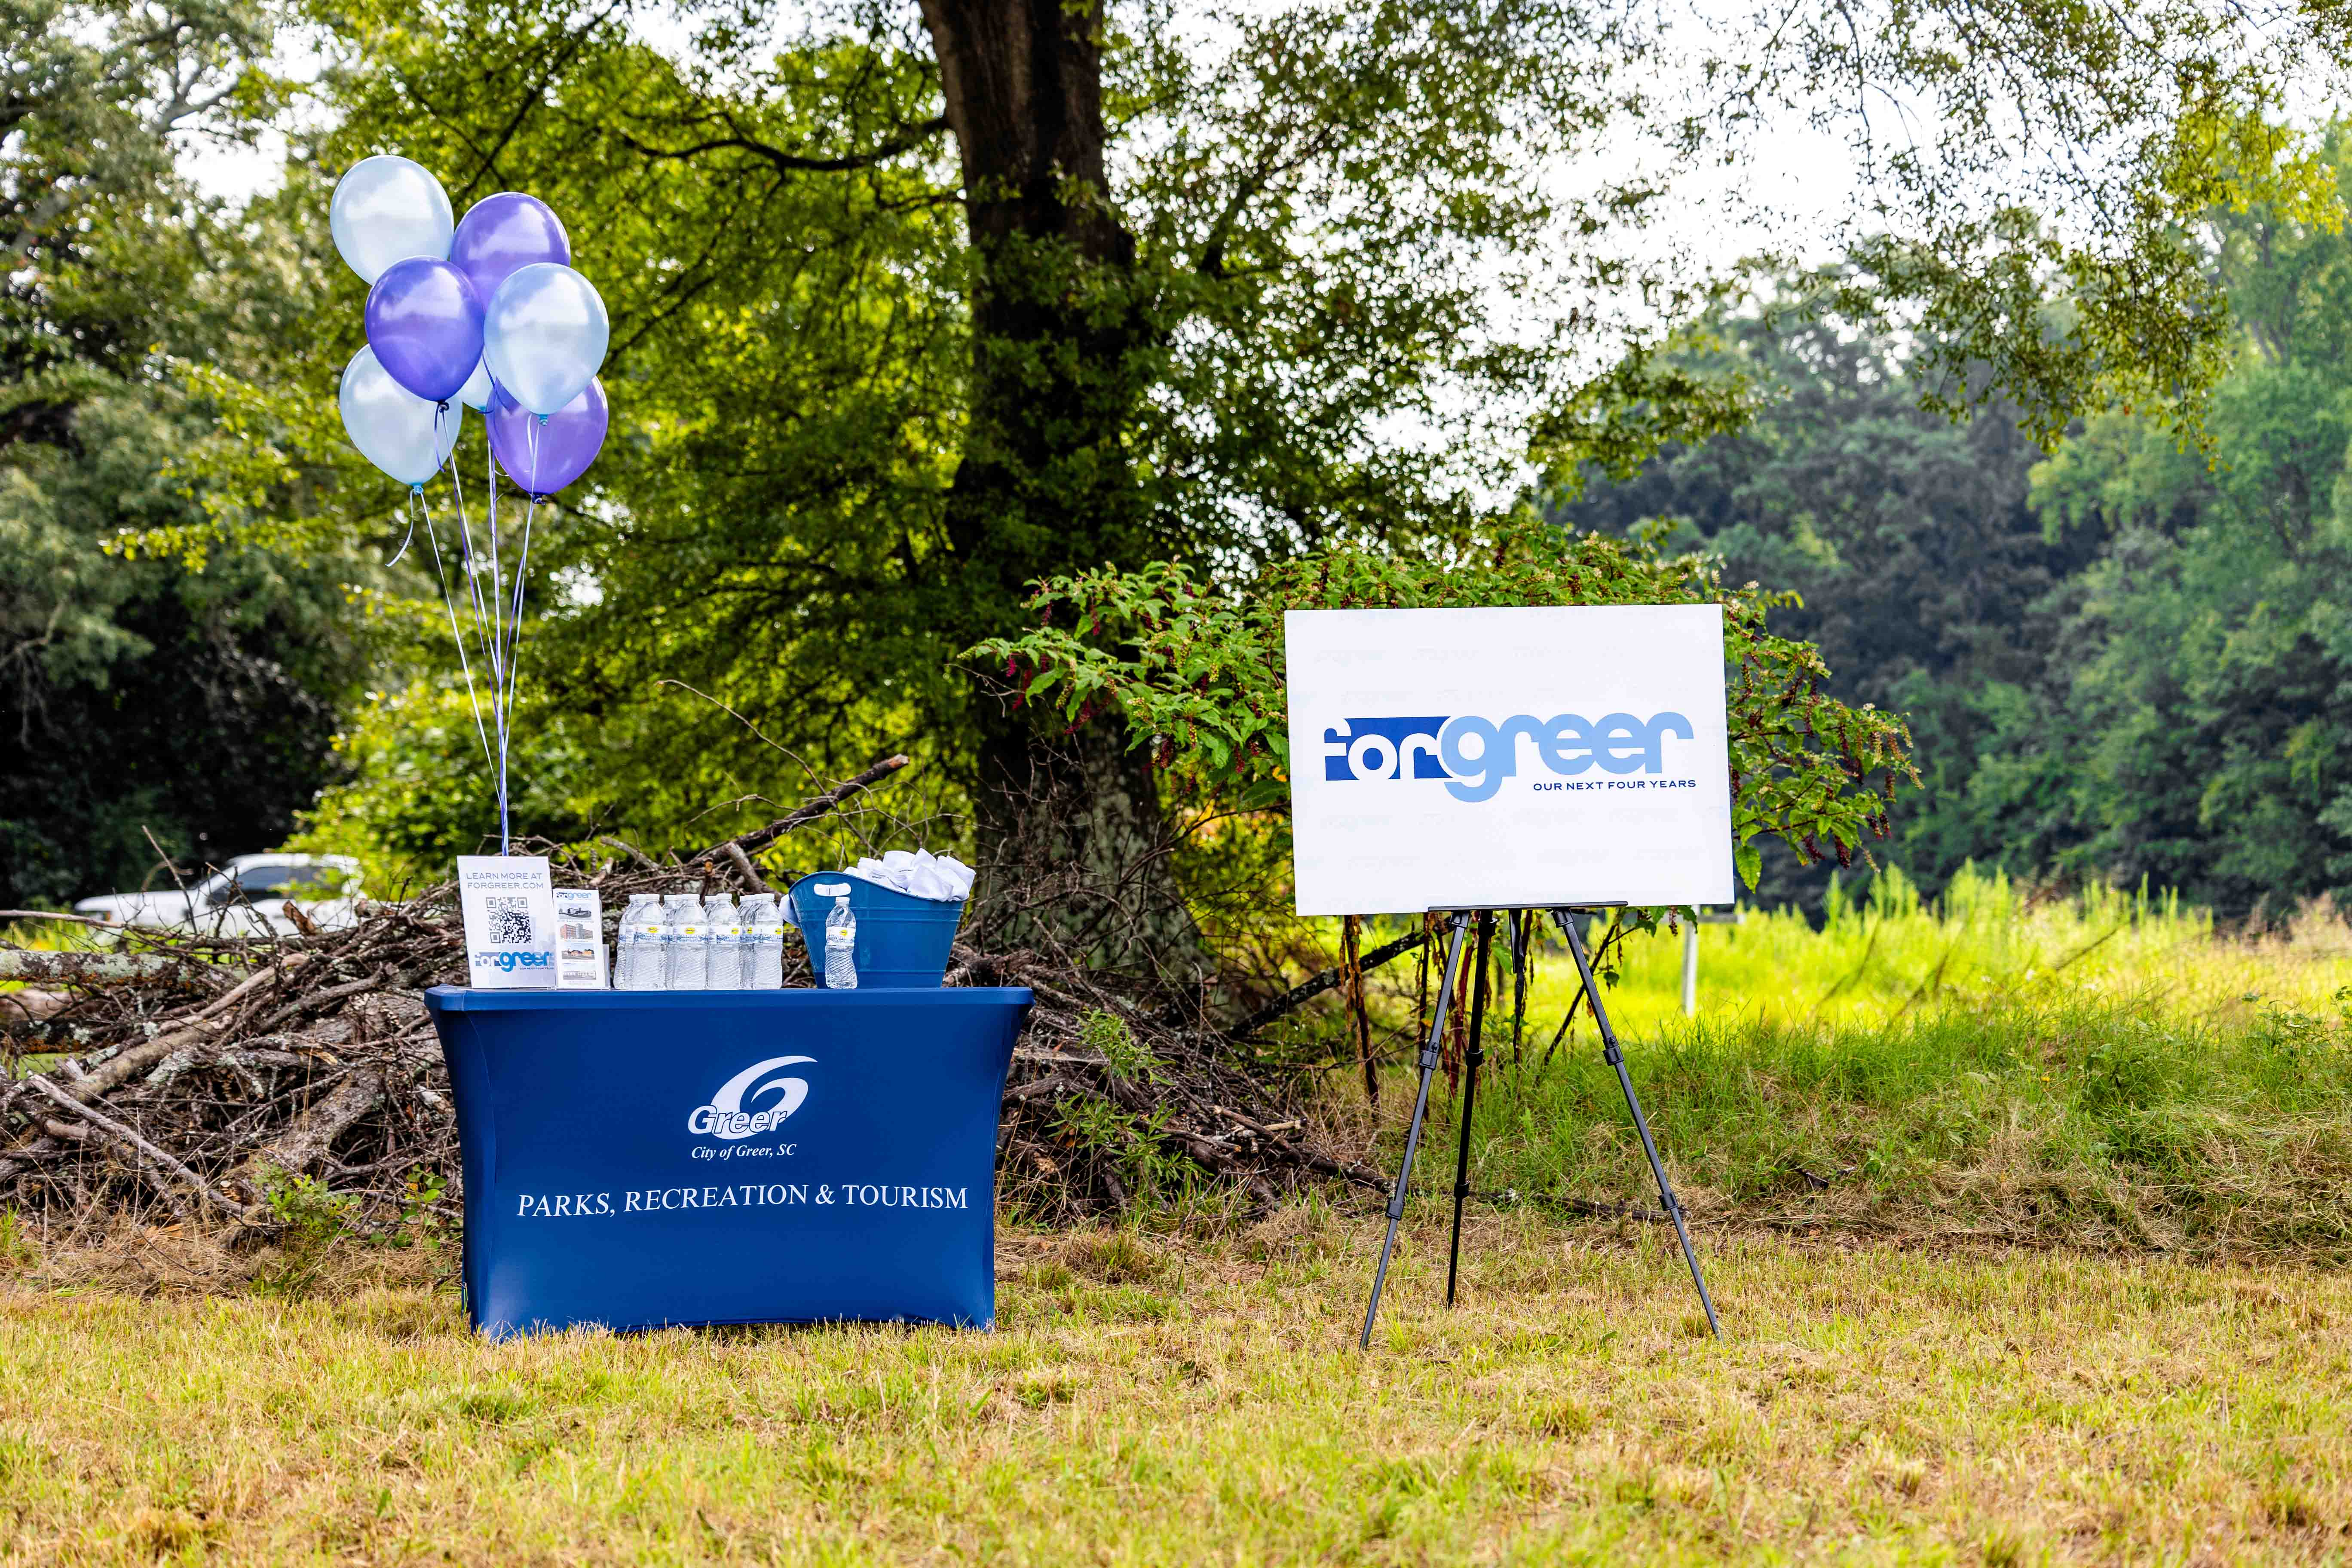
{"points": [[510, 921]]}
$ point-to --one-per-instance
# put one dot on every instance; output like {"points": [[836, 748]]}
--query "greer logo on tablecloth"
{"points": [[734, 1112]]}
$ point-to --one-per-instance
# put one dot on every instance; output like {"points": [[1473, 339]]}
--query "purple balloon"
{"points": [[425, 322], [543, 454], [504, 232]]}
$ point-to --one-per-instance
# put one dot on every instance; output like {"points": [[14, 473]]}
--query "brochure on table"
{"points": [[579, 939]]}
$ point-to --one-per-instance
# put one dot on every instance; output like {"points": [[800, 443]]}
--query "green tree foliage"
{"points": [[2126, 660], [1921, 572], [1195, 674], [901, 328], [762, 524], [140, 696], [2209, 670]]}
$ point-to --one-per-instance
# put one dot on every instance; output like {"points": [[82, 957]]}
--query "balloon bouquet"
{"points": [[485, 314]]}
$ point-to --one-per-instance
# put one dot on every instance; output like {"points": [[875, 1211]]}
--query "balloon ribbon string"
{"points": [[512, 632], [530, 511], [497, 597], [522, 566], [485, 610], [486, 626], [408, 537], [503, 700], [448, 601], [490, 479]]}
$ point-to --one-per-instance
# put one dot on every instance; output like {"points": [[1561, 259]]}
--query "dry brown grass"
{"points": [[1148, 1400]]}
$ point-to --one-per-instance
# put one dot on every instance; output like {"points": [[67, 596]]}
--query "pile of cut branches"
{"points": [[167, 1075]]}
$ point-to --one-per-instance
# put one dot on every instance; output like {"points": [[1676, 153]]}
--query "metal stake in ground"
{"points": [[1615, 1057], [1461, 923], [1477, 1054]]}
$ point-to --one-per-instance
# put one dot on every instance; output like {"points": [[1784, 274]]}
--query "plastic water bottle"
{"points": [[763, 944], [685, 943], [623, 936], [727, 942], [638, 965], [840, 947]]}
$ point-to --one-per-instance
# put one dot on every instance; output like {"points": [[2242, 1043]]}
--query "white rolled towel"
{"points": [[930, 883], [920, 874]]}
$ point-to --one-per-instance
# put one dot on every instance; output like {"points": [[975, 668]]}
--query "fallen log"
{"points": [[748, 873], [131, 1062], [18, 964], [53, 915], [122, 1134], [1306, 990], [644, 860], [29, 1006], [25, 1156], [301, 1147]]}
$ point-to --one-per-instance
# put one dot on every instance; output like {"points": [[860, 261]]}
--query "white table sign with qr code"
{"points": [[509, 902]]}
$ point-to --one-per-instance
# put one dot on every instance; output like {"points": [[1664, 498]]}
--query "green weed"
{"points": [[16, 1249], [1106, 1035], [312, 1220], [421, 1196]]}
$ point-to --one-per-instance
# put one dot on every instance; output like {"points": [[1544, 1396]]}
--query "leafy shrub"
{"points": [[1196, 668]]}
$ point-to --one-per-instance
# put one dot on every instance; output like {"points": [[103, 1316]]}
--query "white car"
{"points": [[245, 898]]}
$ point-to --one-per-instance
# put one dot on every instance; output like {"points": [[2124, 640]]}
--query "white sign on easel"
{"points": [[1506, 758]]}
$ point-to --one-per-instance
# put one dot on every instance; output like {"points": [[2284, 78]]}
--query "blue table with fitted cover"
{"points": [[646, 1159]]}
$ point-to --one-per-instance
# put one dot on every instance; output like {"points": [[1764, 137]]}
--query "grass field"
{"points": [[1984, 942], [1147, 1401], [2105, 1072], [2026, 1220]]}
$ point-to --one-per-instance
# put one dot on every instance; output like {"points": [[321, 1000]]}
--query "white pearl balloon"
{"points": [[392, 428], [545, 335], [478, 389], [387, 209]]}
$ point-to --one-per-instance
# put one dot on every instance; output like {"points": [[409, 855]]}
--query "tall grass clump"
{"points": [[2104, 1069], [1893, 953]]}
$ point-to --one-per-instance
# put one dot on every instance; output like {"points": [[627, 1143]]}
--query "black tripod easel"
{"points": [[1459, 927]]}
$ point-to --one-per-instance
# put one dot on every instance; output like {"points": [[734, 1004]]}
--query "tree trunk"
{"points": [[1079, 855], [1063, 349]]}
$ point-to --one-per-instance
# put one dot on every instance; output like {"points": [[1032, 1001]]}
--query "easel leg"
{"points": [[1460, 924], [1477, 1053], [1615, 1057]]}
